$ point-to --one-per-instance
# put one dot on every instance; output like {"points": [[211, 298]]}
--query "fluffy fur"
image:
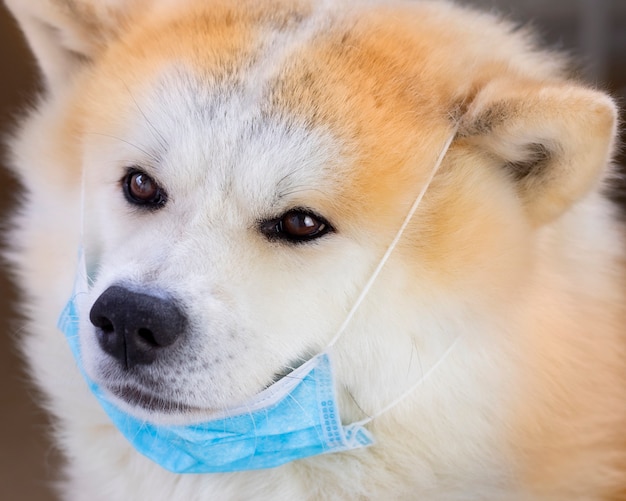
{"points": [[244, 110]]}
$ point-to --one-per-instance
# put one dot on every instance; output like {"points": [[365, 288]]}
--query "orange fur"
{"points": [[513, 248]]}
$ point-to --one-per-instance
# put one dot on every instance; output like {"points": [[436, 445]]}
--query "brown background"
{"points": [[25, 471], [594, 29]]}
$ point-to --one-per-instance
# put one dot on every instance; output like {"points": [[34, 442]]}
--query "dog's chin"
{"points": [[153, 408], [147, 405]]}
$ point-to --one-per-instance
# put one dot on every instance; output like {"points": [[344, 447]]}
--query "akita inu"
{"points": [[238, 175]]}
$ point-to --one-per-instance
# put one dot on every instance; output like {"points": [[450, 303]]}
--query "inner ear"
{"points": [[554, 140], [535, 162]]}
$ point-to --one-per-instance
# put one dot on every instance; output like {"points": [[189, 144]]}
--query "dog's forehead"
{"points": [[289, 102], [221, 140]]}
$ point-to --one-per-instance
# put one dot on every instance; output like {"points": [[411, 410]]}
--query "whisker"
{"points": [[419, 359], [289, 174], [284, 194], [159, 137], [347, 390], [155, 158]]}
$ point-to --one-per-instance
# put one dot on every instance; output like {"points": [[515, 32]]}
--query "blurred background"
{"points": [[594, 31]]}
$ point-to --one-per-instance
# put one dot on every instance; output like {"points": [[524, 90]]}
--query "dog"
{"points": [[235, 171]]}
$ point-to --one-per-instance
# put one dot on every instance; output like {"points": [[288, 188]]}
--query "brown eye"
{"points": [[141, 189], [296, 225], [301, 225]]}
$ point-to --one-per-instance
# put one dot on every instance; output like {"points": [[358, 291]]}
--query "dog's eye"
{"points": [[296, 225], [141, 189]]}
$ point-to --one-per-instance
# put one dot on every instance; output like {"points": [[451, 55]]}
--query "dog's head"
{"points": [[246, 164]]}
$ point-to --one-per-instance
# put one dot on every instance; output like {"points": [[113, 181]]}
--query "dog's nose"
{"points": [[136, 328]]}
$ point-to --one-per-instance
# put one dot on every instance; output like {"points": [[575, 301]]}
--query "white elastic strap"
{"points": [[413, 387], [83, 183], [395, 240]]}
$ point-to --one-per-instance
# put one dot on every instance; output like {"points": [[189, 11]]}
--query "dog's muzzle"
{"points": [[136, 328]]}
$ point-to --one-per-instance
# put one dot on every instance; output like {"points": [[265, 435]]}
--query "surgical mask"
{"points": [[294, 418]]}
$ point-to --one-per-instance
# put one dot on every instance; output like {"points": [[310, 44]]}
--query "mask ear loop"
{"points": [[368, 286], [370, 283], [411, 388], [81, 285]]}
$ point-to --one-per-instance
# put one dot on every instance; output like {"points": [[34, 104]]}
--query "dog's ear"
{"points": [[554, 140], [65, 34]]}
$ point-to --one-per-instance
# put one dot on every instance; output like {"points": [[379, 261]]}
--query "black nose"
{"points": [[135, 328]]}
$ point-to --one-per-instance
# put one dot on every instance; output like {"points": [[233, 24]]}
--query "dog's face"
{"points": [[229, 230], [245, 169], [222, 222]]}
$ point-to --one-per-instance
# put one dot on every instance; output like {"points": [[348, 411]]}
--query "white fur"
{"points": [[258, 306]]}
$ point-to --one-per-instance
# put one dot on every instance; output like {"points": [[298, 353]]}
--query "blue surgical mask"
{"points": [[296, 417]]}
